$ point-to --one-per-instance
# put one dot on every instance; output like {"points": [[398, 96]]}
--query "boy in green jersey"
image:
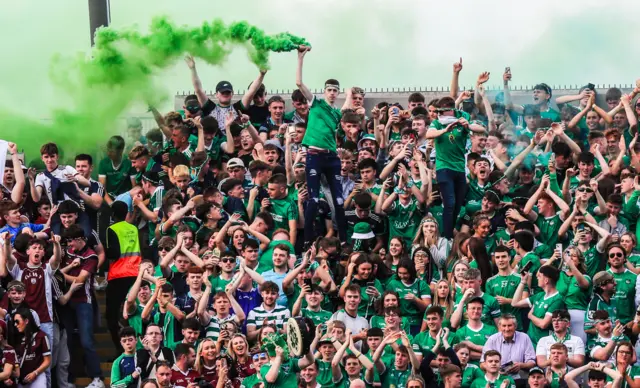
{"points": [[608, 335], [542, 304], [312, 296], [625, 296], [320, 139], [558, 367], [547, 219], [283, 210], [492, 376], [503, 285], [604, 291], [427, 339], [404, 206], [600, 374], [404, 365], [451, 133], [470, 372], [470, 290], [523, 245], [151, 186], [115, 172], [475, 333]]}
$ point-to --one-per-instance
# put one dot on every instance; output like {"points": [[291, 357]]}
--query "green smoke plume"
{"points": [[123, 69]]}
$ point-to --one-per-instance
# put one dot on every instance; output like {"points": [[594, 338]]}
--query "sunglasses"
{"points": [[165, 249], [259, 356], [585, 189], [615, 254], [228, 260]]}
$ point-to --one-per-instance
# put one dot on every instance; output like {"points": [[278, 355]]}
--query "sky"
{"points": [[369, 43]]}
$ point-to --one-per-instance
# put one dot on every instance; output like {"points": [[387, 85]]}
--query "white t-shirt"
{"points": [[356, 324], [59, 173], [574, 345]]}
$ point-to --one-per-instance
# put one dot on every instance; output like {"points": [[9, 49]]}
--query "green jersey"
{"points": [[575, 297], [556, 382], [283, 211], [596, 342], [504, 286], [366, 308], [423, 341], [490, 310], [597, 303], [473, 200], [250, 381], [592, 261], [405, 219], [218, 284], [317, 317], [632, 371], [121, 371], [475, 336], [470, 374], [118, 178], [535, 260], [482, 382], [451, 147], [378, 321], [625, 295], [394, 378], [408, 308], [322, 124], [325, 377], [155, 204], [549, 227], [265, 261], [542, 306], [287, 377]]}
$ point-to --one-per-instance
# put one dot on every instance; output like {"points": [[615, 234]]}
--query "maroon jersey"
{"points": [[31, 355], [245, 369], [181, 379], [211, 375], [89, 263], [8, 355], [37, 283]]}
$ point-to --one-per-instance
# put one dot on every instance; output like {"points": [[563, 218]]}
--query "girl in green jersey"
{"points": [[361, 273], [389, 298], [396, 253]]}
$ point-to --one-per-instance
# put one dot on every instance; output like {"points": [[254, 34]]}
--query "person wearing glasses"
{"points": [[258, 359], [625, 295], [560, 322], [604, 290], [151, 352], [624, 365]]}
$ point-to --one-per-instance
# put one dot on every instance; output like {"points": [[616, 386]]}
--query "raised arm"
{"points": [[631, 116], [510, 171], [508, 103], [228, 146], [195, 79], [302, 51], [457, 68], [253, 88], [18, 187], [253, 274], [518, 300]]}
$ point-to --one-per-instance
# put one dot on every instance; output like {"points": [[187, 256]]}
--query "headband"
{"points": [[332, 86]]}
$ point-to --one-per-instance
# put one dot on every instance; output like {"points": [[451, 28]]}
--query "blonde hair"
{"points": [[180, 171], [447, 301], [199, 365]]}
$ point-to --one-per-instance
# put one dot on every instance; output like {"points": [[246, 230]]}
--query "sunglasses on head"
{"points": [[615, 254], [259, 356]]}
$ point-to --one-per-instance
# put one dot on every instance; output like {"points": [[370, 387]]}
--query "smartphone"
{"points": [[506, 366], [307, 282], [395, 110], [591, 86], [526, 268], [559, 248], [507, 69], [580, 226]]}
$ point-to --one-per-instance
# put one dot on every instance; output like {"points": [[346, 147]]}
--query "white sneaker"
{"points": [[96, 383]]}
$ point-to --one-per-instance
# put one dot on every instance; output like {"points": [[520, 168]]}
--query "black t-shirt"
{"points": [[258, 114]]}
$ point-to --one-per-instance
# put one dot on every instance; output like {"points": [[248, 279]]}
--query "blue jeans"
{"points": [[80, 315], [327, 164], [453, 189]]}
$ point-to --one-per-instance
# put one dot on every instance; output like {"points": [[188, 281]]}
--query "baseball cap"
{"points": [[535, 369], [602, 277], [368, 136], [15, 284], [235, 162], [151, 177], [275, 143], [476, 299], [224, 86]]}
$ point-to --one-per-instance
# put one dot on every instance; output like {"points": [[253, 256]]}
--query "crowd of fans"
{"points": [[458, 242]]}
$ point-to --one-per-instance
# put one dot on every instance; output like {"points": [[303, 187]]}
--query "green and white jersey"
{"points": [[542, 306], [423, 341], [632, 371], [473, 200], [549, 227], [597, 303], [278, 315], [394, 378], [155, 204], [212, 328], [405, 219], [287, 377], [555, 377], [490, 310], [322, 125], [504, 286], [575, 297], [282, 211], [408, 308], [118, 178], [451, 147], [251, 380], [317, 317], [483, 381], [325, 377], [625, 295], [470, 374], [592, 259], [597, 342]]}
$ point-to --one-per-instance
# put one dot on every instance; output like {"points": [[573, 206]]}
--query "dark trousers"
{"points": [[81, 316], [327, 164], [453, 189], [117, 290]]}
